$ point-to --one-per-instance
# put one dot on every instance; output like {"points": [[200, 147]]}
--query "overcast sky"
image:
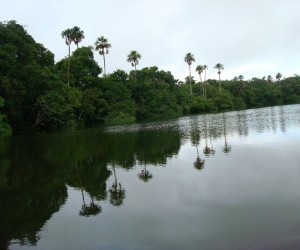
{"points": [[251, 38]]}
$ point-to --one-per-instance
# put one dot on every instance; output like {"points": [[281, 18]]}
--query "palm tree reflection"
{"points": [[207, 150], [117, 192], [199, 163], [226, 148], [93, 209], [145, 175]]}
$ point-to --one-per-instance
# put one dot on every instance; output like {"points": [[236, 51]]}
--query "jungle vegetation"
{"points": [[37, 93]]}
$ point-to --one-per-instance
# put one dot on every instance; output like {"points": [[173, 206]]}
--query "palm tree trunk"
{"points": [[69, 66], [219, 82], [104, 65], [200, 84], [191, 92], [135, 71]]}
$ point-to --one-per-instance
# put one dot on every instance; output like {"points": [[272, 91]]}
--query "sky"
{"points": [[251, 38]]}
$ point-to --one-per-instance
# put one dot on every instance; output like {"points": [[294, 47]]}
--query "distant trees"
{"points": [[33, 93], [189, 59], [102, 46]]}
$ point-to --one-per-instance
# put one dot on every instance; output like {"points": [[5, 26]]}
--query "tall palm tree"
{"points": [[77, 35], [189, 58], [205, 85], [219, 66], [102, 45], [269, 79], [67, 34], [200, 70], [278, 77], [205, 68], [134, 58]]}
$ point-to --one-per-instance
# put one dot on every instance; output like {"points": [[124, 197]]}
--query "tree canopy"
{"points": [[37, 93]]}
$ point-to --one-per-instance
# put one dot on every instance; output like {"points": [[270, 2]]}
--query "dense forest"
{"points": [[38, 94]]}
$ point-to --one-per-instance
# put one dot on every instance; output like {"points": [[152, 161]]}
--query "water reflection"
{"points": [[36, 170], [117, 192], [145, 175], [226, 148]]}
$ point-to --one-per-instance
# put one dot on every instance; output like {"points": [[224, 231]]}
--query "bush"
{"points": [[119, 118]]}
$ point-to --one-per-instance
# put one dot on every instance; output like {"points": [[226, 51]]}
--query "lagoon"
{"points": [[214, 181]]}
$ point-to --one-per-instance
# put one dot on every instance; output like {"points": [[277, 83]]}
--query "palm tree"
{"points": [[200, 70], [67, 34], [219, 66], [133, 58], [189, 58], [269, 78], [240, 78], [205, 68], [77, 35], [102, 45], [278, 77]]}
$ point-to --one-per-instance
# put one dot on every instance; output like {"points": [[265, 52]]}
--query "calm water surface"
{"points": [[222, 181]]}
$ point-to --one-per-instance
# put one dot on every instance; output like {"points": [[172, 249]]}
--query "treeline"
{"points": [[38, 94]]}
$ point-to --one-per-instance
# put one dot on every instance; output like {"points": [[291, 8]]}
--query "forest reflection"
{"points": [[37, 169]]}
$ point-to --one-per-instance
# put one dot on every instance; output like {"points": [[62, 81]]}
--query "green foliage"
{"points": [[224, 102], [5, 128], [37, 95], [25, 73], [201, 105], [58, 107], [239, 103], [118, 117], [84, 68]]}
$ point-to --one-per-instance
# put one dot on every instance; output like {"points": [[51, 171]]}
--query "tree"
{"points": [[5, 128], [200, 70], [240, 78], [189, 58], [205, 68], [134, 58], [102, 45], [67, 34], [219, 66], [77, 35], [205, 86], [278, 77], [269, 79]]}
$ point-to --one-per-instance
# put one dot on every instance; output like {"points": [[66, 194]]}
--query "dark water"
{"points": [[223, 181]]}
